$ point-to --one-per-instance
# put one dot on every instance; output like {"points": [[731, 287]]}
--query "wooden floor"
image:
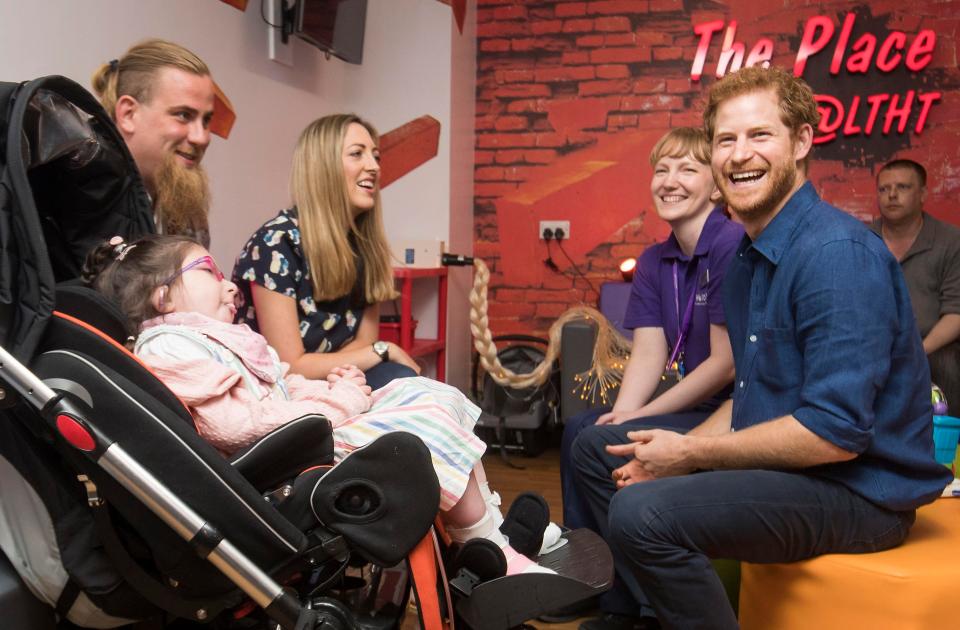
{"points": [[539, 474]]}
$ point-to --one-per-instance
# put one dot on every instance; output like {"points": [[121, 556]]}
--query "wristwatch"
{"points": [[382, 350]]}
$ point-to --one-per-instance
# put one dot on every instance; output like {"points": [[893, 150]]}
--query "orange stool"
{"points": [[912, 586]]}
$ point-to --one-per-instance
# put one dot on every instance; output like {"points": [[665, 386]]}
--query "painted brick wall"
{"points": [[571, 96]]}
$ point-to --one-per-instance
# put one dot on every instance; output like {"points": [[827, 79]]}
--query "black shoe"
{"points": [[528, 516], [482, 557], [613, 621]]}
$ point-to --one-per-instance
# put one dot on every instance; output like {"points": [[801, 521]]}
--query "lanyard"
{"points": [[683, 327]]}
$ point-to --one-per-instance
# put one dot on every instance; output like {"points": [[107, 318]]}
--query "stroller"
{"points": [[114, 511]]}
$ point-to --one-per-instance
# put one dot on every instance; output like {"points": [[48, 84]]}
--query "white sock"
{"points": [[492, 499], [484, 528]]}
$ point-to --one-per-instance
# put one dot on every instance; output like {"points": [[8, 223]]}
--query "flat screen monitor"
{"points": [[334, 26]]}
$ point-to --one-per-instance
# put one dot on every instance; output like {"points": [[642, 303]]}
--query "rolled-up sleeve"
{"points": [[846, 318]]}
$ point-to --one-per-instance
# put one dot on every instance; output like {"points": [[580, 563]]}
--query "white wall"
{"points": [[405, 74]]}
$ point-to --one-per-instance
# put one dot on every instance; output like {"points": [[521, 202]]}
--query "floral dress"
{"points": [[274, 259]]}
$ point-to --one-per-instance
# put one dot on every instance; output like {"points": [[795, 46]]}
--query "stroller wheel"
{"points": [[331, 615]]}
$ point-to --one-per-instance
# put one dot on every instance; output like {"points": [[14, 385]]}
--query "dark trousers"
{"points": [[576, 514], [664, 532], [382, 373]]}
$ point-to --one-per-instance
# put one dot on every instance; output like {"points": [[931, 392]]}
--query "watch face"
{"points": [[380, 346]]}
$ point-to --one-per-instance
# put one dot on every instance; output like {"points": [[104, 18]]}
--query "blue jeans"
{"points": [[664, 532], [382, 373], [576, 514]]}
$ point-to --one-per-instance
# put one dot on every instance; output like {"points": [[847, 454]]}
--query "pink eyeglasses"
{"points": [[211, 266]]}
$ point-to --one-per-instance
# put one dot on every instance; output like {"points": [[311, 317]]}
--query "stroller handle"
{"points": [[24, 381], [67, 420], [190, 526]]}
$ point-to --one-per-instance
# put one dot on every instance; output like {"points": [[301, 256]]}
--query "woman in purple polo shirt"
{"points": [[681, 365]]}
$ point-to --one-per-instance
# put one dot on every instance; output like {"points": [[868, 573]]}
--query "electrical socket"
{"points": [[277, 49], [554, 226]]}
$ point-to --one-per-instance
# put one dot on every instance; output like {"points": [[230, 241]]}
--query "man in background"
{"points": [[929, 254], [161, 97]]}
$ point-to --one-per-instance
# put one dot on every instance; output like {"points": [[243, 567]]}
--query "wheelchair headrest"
{"points": [[81, 302], [98, 317]]}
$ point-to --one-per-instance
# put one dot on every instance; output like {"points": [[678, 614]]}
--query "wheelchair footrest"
{"points": [[584, 569]]}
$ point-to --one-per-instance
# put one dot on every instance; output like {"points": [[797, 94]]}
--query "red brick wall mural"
{"points": [[571, 96]]}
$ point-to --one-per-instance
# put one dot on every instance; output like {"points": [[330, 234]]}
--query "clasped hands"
{"points": [[351, 373], [656, 453]]}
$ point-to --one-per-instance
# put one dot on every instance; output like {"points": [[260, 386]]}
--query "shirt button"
{"points": [[741, 384], [753, 339]]}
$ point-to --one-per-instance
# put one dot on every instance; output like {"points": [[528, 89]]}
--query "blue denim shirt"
{"points": [[821, 327]]}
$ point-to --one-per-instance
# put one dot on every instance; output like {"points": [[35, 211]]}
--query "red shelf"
{"points": [[418, 272], [425, 346], [421, 347]]}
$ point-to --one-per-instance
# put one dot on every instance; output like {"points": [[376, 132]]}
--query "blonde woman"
{"points": [[681, 365], [312, 278]]}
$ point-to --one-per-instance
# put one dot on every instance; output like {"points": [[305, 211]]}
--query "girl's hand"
{"points": [[346, 371], [350, 373]]}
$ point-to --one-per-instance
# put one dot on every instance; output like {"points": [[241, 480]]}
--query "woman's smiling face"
{"points": [[361, 168], [681, 187]]}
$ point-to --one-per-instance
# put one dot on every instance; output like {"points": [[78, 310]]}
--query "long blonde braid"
{"points": [[610, 352]]}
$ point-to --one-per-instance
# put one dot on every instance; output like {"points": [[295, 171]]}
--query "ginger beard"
{"points": [[781, 177], [182, 200]]}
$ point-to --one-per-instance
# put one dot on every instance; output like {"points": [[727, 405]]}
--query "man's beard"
{"points": [[782, 179], [182, 201]]}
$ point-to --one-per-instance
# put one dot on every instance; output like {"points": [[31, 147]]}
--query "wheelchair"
{"points": [[114, 512]]}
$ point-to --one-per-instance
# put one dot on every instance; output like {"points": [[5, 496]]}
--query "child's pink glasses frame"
{"points": [[196, 263]]}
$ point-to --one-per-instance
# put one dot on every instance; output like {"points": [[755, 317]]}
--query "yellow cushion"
{"points": [[912, 586]]}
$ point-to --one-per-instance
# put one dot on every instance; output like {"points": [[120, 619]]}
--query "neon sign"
{"points": [[865, 114]]}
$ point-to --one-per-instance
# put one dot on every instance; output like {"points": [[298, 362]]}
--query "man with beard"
{"points": [[826, 446], [929, 254], [161, 96]]}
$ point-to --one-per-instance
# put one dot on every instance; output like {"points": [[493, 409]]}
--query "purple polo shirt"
{"points": [[652, 302]]}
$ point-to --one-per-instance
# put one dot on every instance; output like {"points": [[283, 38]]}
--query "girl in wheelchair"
{"points": [[172, 292]]}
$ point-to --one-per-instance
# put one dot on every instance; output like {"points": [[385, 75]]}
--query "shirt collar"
{"points": [[924, 239], [671, 248], [775, 238]]}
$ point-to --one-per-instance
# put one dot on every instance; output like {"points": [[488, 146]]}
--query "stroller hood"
{"points": [[67, 182]]}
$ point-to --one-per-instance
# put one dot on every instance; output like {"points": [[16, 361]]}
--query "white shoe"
{"points": [[493, 501], [552, 539]]}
